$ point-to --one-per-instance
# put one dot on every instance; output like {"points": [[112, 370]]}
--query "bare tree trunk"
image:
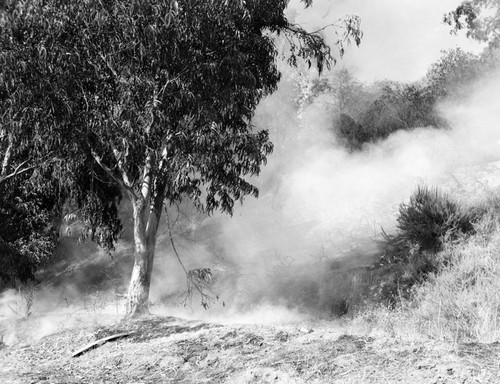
{"points": [[146, 219], [7, 156]]}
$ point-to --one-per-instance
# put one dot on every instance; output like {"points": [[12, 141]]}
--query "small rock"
{"points": [[305, 330]]}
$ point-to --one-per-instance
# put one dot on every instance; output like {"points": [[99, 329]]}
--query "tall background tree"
{"points": [[479, 18], [150, 98]]}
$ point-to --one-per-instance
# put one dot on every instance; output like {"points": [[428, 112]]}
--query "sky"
{"points": [[401, 37]]}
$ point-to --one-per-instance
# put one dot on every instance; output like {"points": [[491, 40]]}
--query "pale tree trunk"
{"points": [[146, 219], [6, 157]]}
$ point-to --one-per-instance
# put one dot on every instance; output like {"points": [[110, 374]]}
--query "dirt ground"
{"points": [[171, 350]]}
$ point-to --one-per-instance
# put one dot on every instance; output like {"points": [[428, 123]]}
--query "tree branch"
{"points": [[121, 159], [108, 170], [17, 171], [196, 279]]}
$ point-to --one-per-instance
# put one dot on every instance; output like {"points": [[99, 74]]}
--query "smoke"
{"points": [[318, 203]]}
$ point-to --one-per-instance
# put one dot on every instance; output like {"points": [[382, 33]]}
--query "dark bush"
{"points": [[349, 134], [28, 233], [431, 218], [425, 224]]}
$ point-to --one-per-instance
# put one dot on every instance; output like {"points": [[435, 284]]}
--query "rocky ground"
{"points": [[160, 349]]}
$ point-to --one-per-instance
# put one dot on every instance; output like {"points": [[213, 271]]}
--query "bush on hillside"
{"points": [[425, 224], [459, 302], [431, 218]]}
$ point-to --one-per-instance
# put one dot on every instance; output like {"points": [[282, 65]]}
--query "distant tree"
{"points": [[403, 106], [479, 18], [347, 92], [341, 90], [454, 72], [349, 133], [397, 106], [345, 99], [155, 98]]}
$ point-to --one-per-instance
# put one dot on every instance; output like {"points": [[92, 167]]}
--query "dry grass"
{"points": [[170, 350], [460, 302]]}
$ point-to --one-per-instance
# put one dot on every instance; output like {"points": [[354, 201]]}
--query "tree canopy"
{"points": [[151, 98], [479, 18], [125, 78]]}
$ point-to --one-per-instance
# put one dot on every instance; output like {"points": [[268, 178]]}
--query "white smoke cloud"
{"points": [[318, 201]]}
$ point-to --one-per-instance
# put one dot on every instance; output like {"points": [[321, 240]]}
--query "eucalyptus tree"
{"points": [[154, 97], [479, 18]]}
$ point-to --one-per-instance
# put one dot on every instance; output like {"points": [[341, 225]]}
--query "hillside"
{"points": [[172, 350], [412, 343]]}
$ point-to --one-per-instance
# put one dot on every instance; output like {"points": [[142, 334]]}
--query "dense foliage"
{"points": [[152, 98], [431, 218], [480, 19], [425, 224], [123, 78], [388, 107], [28, 229], [363, 114]]}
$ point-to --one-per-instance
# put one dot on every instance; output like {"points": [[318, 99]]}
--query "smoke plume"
{"points": [[318, 202]]}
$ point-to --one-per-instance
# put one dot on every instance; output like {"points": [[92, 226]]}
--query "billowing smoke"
{"points": [[318, 202]]}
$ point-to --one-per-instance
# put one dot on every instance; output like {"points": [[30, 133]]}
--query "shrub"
{"points": [[460, 301], [431, 218], [349, 134], [428, 221]]}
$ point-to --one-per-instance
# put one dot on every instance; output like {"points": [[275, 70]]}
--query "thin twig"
{"points": [[195, 278], [173, 244]]}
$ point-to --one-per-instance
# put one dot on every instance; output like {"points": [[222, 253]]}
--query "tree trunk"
{"points": [[6, 157], [146, 219]]}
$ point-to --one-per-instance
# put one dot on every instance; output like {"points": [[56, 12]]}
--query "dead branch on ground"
{"points": [[99, 342]]}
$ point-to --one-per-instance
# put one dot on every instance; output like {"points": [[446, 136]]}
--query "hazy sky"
{"points": [[401, 37]]}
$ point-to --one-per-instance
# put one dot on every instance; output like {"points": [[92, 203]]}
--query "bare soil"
{"points": [[172, 350]]}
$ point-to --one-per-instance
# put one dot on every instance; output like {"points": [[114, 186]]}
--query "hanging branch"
{"points": [[198, 279]]}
